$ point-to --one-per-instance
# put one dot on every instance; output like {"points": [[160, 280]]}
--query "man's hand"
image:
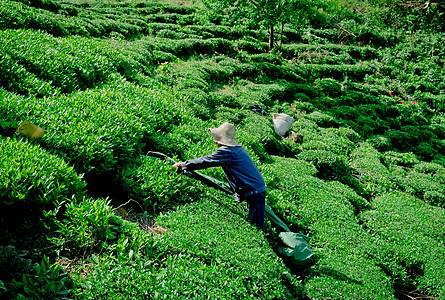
{"points": [[177, 165]]}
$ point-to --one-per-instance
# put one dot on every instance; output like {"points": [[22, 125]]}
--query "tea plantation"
{"points": [[86, 214]]}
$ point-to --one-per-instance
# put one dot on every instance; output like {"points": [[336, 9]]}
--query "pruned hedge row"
{"points": [[32, 176], [327, 148], [206, 253], [16, 15], [154, 184], [349, 262], [424, 181], [36, 63], [88, 20], [215, 232], [413, 236], [328, 53], [99, 130], [382, 173], [372, 174], [52, 60]]}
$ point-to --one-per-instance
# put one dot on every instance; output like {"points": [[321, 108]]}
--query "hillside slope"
{"points": [[110, 81]]}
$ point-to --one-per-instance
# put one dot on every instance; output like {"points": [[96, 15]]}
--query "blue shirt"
{"points": [[243, 175]]}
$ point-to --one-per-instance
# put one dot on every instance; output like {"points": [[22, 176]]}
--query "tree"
{"points": [[269, 13]]}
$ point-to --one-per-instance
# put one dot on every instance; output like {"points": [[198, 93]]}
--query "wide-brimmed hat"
{"points": [[225, 135]]}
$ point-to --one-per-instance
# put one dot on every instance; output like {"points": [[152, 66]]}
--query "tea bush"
{"points": [[49, 281], [54, 61], [183, 75], [157, 75], [214, 232], [413, 235], [329, 87], [197, 259], [92, 226], [96, 130], [437, 171], [379, 142], [323, 120], [17, 79], [16, 15], [193, 46], [338, 72], [309, 50], [155, 184], [327, 210], [373, 175], [279, 175], [340, 141], [199, 102], [258, 134], [424, 186], [405, 159], [31, 175]]}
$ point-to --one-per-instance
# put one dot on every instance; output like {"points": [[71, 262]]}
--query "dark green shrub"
{"points": [[436, 102], [437, 129], [421, 133], [401, 140], [412, 114], [425, 150], [307, 89], [330, 87], [48, 282], [380, 142]]}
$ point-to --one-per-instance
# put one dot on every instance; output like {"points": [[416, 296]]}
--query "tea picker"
{"points": [[294, 248]]}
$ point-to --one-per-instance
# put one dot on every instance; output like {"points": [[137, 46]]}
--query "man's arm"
{"points": [[216, 159]]}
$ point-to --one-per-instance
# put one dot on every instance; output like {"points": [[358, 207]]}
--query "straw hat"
{"points": [[225, 135]]}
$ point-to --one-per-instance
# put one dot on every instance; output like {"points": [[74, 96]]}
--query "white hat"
{"points": [[225, 135]]}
